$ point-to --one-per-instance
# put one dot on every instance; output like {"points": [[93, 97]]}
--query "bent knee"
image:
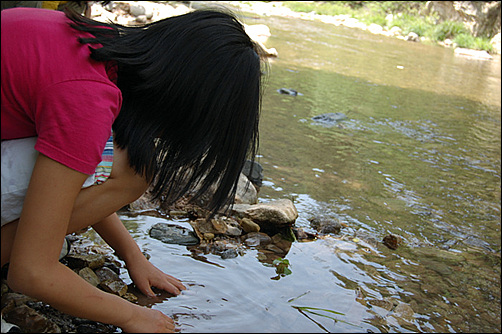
{"points": [[125, 177]]}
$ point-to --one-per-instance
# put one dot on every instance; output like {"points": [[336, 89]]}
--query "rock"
{"points": [[27, 318], [258, 32], [249, 226], [412, 37], [254, 172], [246, 193], [367, 237], [105, 273], [11, 300], [233, 231], [477, 54], [385, 304], [300, 234], [79, 261], [276, 213], [395, 31], [288, 91], [404, 311], [392, 241], [255, 239], [130, 297], [281, 243], [137, 10], [89, 275], [478, 243], [329, 119], [219, 226], [229, 254], [173, 234], [208, 236], [117, 287], [141, 19], [374, 28], [326, 225]]}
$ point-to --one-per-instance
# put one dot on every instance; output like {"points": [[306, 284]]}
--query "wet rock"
{"points": [[275, 213], [280, 242], [173, 234], [219, 226], [233, 227], [79, 261], [27, 318], [11, 300], [300, 234], [105, 273], [404, 311], [329, 119], [477, 243], [89, 275], [229, 254], [117, 287], [130, 297], [392, 241], [385, 304], [288, 91], [208, 236], [367, 237], [255, 239], [249, 226], [326, 225]]}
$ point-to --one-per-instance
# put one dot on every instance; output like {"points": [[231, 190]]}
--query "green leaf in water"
{"points": [[281, 267]]}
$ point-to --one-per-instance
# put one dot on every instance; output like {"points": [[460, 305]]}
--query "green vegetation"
{"points": [[409, 16]]}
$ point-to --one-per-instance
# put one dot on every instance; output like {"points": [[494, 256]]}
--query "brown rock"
{"points": [[89, 275], [117, 287], [392, 241]]}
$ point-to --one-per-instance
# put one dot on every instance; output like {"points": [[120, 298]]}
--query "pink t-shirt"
{"points": [[52, 89]]}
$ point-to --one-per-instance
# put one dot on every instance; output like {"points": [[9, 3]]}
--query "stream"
{"points": [[417, 155]]}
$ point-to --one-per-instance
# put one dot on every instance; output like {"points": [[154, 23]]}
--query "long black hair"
{"points": [[191, 87]]}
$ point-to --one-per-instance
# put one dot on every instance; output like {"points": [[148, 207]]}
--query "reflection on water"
{"points": [[418, 155]]}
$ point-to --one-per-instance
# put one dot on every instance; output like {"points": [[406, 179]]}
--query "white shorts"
{"points": [[18, 160]]}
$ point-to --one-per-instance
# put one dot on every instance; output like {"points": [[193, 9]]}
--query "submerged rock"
{"points": [[392, 241], [329, 119], [288, 91], [173, 234], [326, 225]]}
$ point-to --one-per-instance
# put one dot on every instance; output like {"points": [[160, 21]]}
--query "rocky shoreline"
{"points": [[268, 227]]}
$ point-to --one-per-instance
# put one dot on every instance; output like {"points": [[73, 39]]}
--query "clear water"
{"points": [[418, 156]]}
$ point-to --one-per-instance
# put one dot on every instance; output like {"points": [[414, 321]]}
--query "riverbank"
{"points": [[390, 25]]}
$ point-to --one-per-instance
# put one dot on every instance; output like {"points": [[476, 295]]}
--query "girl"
{"points": [[182, 97]]}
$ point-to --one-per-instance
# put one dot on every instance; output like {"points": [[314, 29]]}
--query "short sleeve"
{"points": [[74, 120]]}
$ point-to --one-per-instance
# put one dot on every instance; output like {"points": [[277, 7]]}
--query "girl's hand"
{"points": [[145, 275], [146, 320]]}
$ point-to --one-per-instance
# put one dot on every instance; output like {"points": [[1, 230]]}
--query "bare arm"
{"points": [[34, 267], [142, 272]]}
